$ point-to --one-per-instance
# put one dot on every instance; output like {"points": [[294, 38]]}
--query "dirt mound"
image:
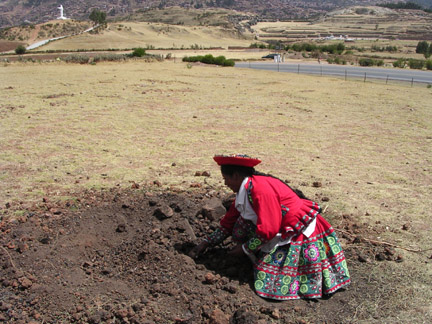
{"points": [[120, 256]]}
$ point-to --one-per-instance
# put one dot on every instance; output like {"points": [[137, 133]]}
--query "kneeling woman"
{"points": [[295, 251]]}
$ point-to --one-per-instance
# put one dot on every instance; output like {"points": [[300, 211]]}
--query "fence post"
{"points": [[298, 69], [412, 81], [364, 78], [387, 79], [278, 66], [345, 74], [321, 70]]}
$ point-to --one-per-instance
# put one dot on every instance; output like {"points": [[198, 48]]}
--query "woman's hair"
{"points": [[229, 170], [243, 171]]}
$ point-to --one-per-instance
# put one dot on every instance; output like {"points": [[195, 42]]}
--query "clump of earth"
{"points": [[121, 256]]}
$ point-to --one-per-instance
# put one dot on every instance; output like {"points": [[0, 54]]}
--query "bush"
{"points": [[416, 64], [209, 59], [366, 62], [422, 47], [429, 64], [400, 63], [228, 63], [138, 52], [108, 58], [77, 58], [20, 50]]}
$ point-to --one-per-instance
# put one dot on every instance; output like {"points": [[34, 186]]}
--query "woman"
{"points": [[295, 252]]}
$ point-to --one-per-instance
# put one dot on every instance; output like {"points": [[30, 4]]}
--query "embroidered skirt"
{"points": [[305, 268]]}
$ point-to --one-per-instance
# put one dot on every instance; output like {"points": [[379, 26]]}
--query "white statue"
{"points": [[61, 13]]}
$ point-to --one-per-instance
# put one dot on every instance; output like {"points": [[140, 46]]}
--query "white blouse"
{"points": [[243, 205]]}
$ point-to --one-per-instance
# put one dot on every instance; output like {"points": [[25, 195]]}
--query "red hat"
{"points": [[236, 159]]}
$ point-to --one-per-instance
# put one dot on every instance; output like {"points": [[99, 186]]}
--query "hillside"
{"points": [[17, 12], [356, 22]]}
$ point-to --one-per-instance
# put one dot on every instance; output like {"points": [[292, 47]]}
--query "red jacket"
{"points": [[278, 209]]}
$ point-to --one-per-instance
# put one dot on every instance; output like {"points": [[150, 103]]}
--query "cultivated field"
{"points": [[66, 129], [355, 22]]}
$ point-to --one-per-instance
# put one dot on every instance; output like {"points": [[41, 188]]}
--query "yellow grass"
{"points": [[133, 120], [64, 128], [139, 34]]}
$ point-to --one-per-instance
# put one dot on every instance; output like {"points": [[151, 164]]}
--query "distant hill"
{"points": [[17, 12]]}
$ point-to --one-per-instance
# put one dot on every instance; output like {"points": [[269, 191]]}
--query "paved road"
{"points": [[344, 71]]}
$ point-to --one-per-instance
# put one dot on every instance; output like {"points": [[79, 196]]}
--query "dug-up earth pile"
{"points": [[120, 256]]}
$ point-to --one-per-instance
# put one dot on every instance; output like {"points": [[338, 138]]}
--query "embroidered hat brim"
{"points": [[236, 159]]}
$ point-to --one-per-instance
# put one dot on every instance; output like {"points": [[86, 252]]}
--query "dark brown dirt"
{"points": [[120, 256], [6, 46]]}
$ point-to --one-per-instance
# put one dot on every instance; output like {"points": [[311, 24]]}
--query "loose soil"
{"points": [[120, 256]]}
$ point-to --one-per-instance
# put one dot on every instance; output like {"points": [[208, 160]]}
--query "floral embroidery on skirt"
{"points": [[305, 268]]}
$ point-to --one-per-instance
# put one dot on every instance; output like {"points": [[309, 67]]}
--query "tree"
{"points": [[422, 47], [20, 50], [98, 17]]}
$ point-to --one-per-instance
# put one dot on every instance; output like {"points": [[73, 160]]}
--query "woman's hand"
{"points": [[197, 250]]}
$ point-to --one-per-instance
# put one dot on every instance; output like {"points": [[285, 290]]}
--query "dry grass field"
{"points": [[156, 35], [66, 128]]}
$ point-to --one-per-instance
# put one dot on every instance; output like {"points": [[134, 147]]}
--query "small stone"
{"points": [[45, 240], [210, 278], [25, 282], [275, 314], [325, 199], [363, 258], [213, 209], [380, 256], [5, 306], [163, 212], [122, 313], [317, 184], [121, 228], [231, 288], [22, 247], [55, 211], [218, 317]]}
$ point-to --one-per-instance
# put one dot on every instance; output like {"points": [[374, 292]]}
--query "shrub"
{"points": [[138, 52], [20, 50], [416, 64], [229, 63], [400, 63], [77, 58], [219, 60], [422, 47], [366, 62], [109, 58], [429, 64], [209, 59]]}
